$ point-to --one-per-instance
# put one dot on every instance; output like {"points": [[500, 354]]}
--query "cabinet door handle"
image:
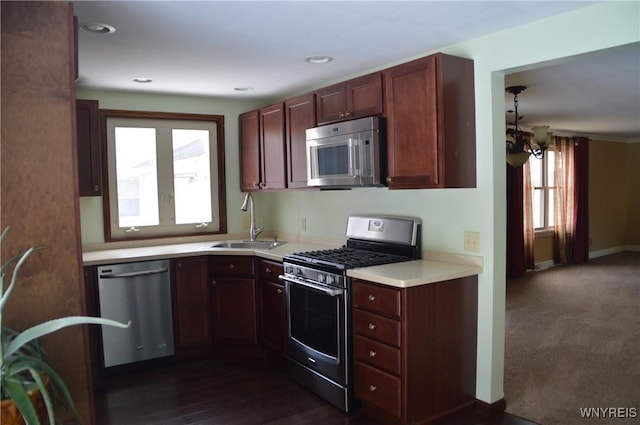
{"points": [[96, 188], [372, 327], [372, 353], [231, 266], [372, 388], [268, 270], [372, 297], [213, 282]]}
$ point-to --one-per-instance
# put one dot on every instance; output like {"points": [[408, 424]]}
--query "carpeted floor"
{"points": [[573, 342]]}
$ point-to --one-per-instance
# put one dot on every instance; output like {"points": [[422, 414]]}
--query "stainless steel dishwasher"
{"points": [[140, 292]]}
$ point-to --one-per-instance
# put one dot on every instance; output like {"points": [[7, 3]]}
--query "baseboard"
{"points": [[543, 265], [613, 250], [488, 410]]}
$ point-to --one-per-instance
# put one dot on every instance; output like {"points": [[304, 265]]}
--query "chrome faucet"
{"points": [[253, 230]]}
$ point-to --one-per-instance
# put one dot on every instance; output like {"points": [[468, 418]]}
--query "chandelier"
{"points": [[519, 145]]}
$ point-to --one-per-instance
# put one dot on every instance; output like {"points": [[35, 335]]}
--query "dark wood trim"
{"points": [[220, 142], [488, 410]]}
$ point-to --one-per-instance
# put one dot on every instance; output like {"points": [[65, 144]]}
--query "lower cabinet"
{"points": [[272, 308], [233, 298], [415, 349], [192, 304]]}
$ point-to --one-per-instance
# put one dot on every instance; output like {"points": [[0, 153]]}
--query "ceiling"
{"points": [[212, 48]]}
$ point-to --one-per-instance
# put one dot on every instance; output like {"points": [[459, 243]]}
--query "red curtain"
{"points": [[571, 230], [515, 225], [581, 198]]}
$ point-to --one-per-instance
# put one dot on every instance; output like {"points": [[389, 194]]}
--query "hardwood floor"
{"points": [[218, 392]]}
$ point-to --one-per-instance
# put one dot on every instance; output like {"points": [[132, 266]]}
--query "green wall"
{"points": [[446, 214]]}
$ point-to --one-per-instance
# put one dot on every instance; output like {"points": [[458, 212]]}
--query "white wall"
{"points": [[446, 214]]}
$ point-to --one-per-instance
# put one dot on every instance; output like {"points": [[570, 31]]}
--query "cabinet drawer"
{"points": [[270, 270], [231, 265], [376, 354], [376, 327], [376, 298], [377, 388]]}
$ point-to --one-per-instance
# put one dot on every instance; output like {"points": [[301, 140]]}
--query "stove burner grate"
{"points": [[350, 258]]}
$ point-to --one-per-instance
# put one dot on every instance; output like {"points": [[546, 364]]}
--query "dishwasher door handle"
{"points": [[131, 274]]}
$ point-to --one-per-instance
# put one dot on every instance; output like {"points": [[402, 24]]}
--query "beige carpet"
{"points": [[573, 342]]}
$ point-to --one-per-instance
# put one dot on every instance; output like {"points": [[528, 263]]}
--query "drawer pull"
{"points": [[372, 388], [372, 297], [268, 270], [372, 327], [372, 353], [231, 266], [279, 291]]}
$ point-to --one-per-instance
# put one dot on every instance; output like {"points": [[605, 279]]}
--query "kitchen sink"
{"points": [[247, 244]]}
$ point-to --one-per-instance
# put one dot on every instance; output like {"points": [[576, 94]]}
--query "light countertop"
{"points": [[434, 267], [414, 273], [193, 249]]}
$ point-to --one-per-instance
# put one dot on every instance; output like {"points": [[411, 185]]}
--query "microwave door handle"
{"points": [[354, 157]]}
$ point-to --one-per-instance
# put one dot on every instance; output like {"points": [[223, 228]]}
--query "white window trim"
{"points": [[546, 230]]}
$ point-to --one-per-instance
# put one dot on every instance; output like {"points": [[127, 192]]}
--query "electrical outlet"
{"points": [[472, 241], [246, 222], [303, 224]]}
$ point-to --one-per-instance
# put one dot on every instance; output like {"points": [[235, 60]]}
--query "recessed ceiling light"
{"points": [[319, 59], [142, 80], [97, 28], [243, 88]]}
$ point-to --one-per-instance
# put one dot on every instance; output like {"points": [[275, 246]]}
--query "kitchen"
{"points": [[444, 213]]}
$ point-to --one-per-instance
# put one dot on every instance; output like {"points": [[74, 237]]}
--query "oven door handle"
{"points": [[334, 292]]}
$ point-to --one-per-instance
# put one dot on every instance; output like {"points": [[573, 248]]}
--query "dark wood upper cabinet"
{"points": [[272, 143], [300, 115], [262, 149], [356, 98], [429, 104], [88, 148], [249, 124]]}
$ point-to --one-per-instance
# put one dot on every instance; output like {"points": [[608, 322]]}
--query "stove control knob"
{"points": [[288, 269], [322, 277], [330, 280], [298, 271]]}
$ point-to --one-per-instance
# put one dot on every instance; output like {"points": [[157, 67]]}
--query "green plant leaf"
{"points": [[14, 278], [54, 325], [19, 395]]}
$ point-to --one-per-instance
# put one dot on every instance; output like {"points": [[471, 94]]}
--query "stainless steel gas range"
{"points": [[318, 294]]}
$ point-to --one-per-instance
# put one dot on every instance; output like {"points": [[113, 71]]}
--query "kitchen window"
{"points": [[165, 174]]}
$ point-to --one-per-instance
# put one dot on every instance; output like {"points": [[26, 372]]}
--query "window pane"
{"points": [[551, 207], [536, 172], [191, 176], [538, 208], [550, 158], [137, 176]]}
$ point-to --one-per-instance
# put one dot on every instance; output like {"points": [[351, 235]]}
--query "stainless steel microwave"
{"points": [[347, 154]]}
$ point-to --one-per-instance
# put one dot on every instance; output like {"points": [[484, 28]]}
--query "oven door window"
{"points": [[314, 319]]}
